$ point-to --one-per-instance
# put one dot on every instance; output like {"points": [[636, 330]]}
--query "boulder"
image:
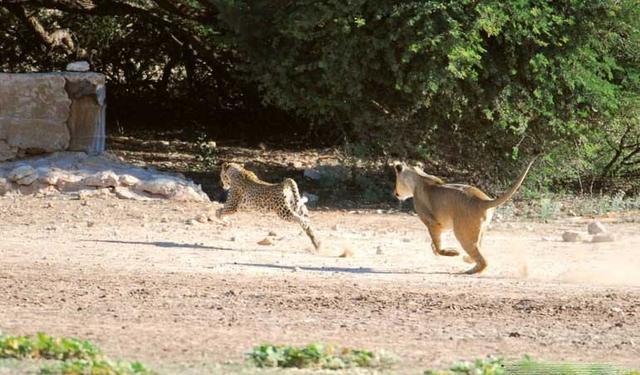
{"points": [[87, 112], [34, 109]]}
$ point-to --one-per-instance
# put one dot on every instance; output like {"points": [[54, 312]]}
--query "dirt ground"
{"points": [[143, 284]]}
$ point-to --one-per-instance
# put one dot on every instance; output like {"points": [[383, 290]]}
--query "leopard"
{"points": [[247, 192], [442, 206]]}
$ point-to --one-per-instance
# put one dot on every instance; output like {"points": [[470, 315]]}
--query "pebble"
{"points": [[595, 227], [265, 242], [603, 237], [571, 236]]}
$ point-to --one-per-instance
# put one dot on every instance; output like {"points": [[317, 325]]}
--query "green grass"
{"points": [[318, 356], [65, 356], [529, 366]]}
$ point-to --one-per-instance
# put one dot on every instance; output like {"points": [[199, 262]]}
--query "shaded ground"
{"points": [[138, 281]]}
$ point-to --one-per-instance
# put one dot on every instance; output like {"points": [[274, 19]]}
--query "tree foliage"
{"points": [[479, 84]]}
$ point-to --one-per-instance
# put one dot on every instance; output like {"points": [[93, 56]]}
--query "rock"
{"points": [[21, 172], [34, 109], [5, 186], [265, 242], [595, 227], [346, 253], [7, 151], [101, 179], [27, 180], [124, 193], [87, 112], [571, 236], [202, 218], [77, 66], [312, 174], [603, 237], [312, 199], [159, 186], [93, 193]]}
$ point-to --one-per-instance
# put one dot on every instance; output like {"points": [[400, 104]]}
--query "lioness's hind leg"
{"points": [[435, 231], [474, 253], [469, 234]]}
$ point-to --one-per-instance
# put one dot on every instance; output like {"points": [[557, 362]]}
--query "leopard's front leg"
{"points": [[230, 206]]}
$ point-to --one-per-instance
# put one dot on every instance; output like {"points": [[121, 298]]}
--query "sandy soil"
{"points": [[143, 284]]}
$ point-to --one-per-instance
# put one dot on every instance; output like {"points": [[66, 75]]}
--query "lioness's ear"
{"points": [[398, 167]]}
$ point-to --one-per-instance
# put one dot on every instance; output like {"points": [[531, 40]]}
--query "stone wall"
{"points": [[49, 112]]}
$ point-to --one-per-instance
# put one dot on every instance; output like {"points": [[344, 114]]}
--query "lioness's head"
{"points": [[404, 181]]}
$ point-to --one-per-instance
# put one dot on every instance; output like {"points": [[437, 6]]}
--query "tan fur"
{"points": [[248, 192], [440, 206]]}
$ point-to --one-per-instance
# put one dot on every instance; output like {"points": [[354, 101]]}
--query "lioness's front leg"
{"points": [[435, 231]]}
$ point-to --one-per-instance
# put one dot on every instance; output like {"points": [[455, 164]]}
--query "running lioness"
{"points": [[442, 206]]}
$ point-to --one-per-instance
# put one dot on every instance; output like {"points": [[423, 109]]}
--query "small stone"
{"points": [[596, 227], [78, 66], [202, 218], [346, 253], [571, 236], [312, 174], [603, 237], [265, 242]]}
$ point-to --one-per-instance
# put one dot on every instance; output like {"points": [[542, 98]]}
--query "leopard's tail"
{"points": [[298, 202]]}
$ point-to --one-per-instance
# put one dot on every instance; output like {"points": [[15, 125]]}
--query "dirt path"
{"points": [[143, 284]]}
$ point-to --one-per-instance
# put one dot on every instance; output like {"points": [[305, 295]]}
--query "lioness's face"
{"points": [[403, 189]]}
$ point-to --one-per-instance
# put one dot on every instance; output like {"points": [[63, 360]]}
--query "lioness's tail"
{"points": [[505, 197]]}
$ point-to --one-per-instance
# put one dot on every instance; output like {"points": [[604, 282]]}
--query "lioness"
{"points": [[443, 206]]}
